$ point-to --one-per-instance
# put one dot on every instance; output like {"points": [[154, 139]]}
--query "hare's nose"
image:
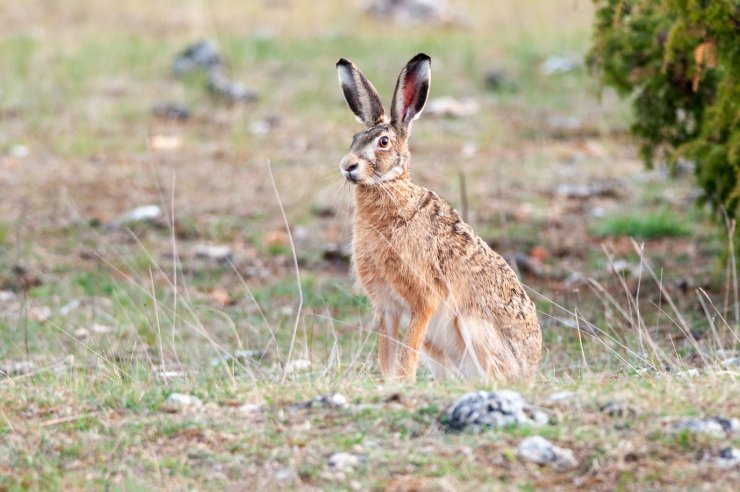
{"points": [[351, 167]]}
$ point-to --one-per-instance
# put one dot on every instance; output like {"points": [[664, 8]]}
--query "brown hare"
{"points": [[414, 256]]}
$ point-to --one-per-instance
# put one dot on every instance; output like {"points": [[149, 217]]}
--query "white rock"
{"points": [[337, 400], [298, 365], [165, 375], [6, 296], [69, 307], [81, 333], [502, 408], [251, 408], [542, 451], [39, 313], [344, 461], [259, 128], [17, 368], [588, 190], [165, 142], [216, 252], [728, 458], [19, 150], [183, 400], [469, 149], [284, 474], [333, 401], [575, 279], [727, 363], [689, 373], [561, 396], [451, 107], [233, 91], [435, 12], [100, 329], [713, 426], [145, 212], [286, 310], [559, 64]]}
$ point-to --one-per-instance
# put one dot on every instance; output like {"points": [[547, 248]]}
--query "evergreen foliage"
{"points": [[680, 62]]}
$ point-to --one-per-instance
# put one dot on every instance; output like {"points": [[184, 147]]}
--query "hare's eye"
{"points": [[383, 142]]}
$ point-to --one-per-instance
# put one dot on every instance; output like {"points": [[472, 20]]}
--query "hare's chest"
{"points": [[374, 255]]}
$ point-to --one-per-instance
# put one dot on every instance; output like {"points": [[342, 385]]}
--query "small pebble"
{"points": [[561, 396], [183, 400], [344, 461], [81, 333], [543, 452], [713, 426]]}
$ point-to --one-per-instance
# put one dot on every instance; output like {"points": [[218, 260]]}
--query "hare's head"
{"points": [[380, 153]]}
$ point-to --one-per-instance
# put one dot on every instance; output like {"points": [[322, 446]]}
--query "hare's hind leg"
{"points": [[467, 360], [389, 319], [435, 360]]}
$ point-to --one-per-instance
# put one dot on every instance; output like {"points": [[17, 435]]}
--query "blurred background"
{"points": [[164, 325], [147, 148]]}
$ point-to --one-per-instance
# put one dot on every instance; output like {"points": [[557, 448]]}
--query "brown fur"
{"points": [[414, 255]]}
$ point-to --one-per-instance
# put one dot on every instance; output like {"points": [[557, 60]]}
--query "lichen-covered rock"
{"points": [[483, 409]]}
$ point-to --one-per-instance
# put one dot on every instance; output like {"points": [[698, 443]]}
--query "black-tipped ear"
{"points": [[412, 91], [360, 94]]}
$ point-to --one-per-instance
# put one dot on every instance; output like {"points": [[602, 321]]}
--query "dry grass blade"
{"points": [[286, 363]]}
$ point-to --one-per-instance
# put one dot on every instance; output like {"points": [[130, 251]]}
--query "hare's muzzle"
{"points": [[350, 168]]}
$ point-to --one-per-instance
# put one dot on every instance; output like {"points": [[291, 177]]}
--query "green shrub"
{"points": [[680, 62]]}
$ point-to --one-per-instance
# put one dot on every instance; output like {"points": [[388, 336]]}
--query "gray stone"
{"points": [[435, 12], [217, 252], [17, 368], [727, 459], [561, 396], [451, 107], [344, 461], [559, 64], [496, 409], [171, 111], [139, 214], [334, 400], [617, 408], [183, 400], [713, 426], [233, 91], [203, 55], [543, 452]]}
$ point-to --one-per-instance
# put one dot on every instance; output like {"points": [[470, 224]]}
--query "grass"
{"points": [[115, 320], [650, 225], [401, 439]]}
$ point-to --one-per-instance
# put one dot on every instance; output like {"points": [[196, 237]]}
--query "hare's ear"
{"points": [[412, 90], [360, 94]]}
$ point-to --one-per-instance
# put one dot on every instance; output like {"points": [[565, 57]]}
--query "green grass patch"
{"points": [[643, 226]]}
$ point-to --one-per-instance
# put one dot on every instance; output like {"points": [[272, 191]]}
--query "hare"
{"points": [[468, 314]]}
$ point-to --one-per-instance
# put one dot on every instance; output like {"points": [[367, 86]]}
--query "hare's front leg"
{"points": [[414, 340], [389, 319]]}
